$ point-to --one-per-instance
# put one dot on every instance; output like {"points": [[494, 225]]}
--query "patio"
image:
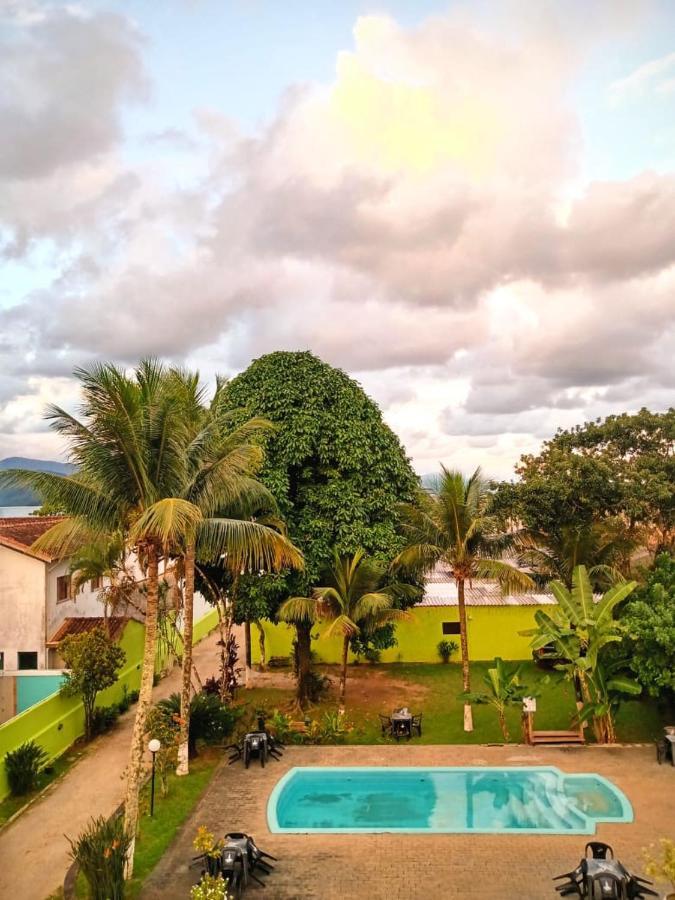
{"points": [[379, 866]]}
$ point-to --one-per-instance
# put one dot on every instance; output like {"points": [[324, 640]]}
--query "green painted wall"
{"points": [[493, 631], [58, 722]]}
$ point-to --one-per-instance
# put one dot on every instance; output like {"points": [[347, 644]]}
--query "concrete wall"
{"points": [[492, 631], [22, 600]]}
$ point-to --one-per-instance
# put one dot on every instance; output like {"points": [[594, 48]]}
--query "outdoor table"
{"points": [[401, 723], [671, 747], [256, 741], [594, 869]]}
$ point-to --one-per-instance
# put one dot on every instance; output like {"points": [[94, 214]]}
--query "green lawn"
{"points": [[433, 690]]}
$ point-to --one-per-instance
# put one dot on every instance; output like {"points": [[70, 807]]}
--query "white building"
{"points": [[35, 594]]}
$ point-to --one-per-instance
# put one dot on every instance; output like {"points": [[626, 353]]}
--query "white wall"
{"points": [[22, 605], [84, 603]]}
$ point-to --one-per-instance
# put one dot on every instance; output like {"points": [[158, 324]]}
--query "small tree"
{"points": [[504, 689], [94, 661]]}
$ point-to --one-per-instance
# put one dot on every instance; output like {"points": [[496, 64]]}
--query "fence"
{"points": [[57, 722]]}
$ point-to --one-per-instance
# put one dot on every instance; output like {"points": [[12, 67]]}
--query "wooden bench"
{"points": [[557, 737]]}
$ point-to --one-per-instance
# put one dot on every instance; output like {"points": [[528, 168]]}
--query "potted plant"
{"points": [[446, 649], [660, 863]]}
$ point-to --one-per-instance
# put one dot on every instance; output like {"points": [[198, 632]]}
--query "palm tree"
{"points": [[105, 561], [221, 462], [450, 526], [604, 548], [301, 612], [580, 628], [355, 602], [130, 446]]}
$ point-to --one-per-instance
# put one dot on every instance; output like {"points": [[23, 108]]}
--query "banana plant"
{"points": [[579, 629], [504, 688]]}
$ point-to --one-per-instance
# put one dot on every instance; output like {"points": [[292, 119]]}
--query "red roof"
{"points": [[21, 532], [82, 624]]}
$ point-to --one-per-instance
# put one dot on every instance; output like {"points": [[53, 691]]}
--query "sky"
{"points": [[469, 207]]}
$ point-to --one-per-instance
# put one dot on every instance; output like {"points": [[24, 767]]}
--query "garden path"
{"points": [[33, 850]]}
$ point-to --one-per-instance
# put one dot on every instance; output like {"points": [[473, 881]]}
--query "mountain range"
{"points": [[18, 496]]}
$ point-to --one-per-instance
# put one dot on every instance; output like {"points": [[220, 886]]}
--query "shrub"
{"points": [[446, 649], [103, 718], [211, 720], [101, 852], [125, 701], [23, 767], [280, 726], [661, 865]]}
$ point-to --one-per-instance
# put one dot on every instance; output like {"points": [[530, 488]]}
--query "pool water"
{"points": [[529, 800]]}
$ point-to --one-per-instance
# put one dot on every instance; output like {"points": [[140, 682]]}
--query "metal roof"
{"points": [[442, 591]]}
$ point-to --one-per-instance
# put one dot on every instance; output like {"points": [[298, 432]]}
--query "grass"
{"points": [[434, 689], [11, 805], [157, 833]]}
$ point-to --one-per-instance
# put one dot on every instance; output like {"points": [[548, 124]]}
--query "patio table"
{"points": [[401, 723]]}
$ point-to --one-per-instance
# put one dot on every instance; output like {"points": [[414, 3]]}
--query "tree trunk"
{"points": [[261, 644], [502, 725], [183, 767], [464, 645], [343, 674], [304, 642], [248, 681], [144, 700]]}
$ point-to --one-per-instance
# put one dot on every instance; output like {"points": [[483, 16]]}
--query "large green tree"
{"points": [[649, 618], [623, 465], [336, 470]]}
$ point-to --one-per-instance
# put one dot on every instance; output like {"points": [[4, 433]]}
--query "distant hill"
{"points": [[21, 496]]}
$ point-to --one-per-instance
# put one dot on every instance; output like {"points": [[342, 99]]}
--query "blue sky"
{"points": [[485, 188]]}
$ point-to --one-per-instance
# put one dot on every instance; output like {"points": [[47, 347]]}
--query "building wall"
{"points": [[22, 601], [492, 631], [84, 603]]}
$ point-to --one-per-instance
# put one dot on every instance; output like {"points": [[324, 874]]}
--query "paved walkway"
{"points": [[33, 850], [414, 866]]}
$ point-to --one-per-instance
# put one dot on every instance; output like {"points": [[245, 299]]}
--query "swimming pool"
{"points": [[532, 800]]}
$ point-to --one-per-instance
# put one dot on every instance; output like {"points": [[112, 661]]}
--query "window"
{"points": [[27, 659], [95, 583], [451, 628], [62, 588]]}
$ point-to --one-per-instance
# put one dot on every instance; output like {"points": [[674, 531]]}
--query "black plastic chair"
{"points": [[385, 724], [599, 850], [606, 886], [416, 725], [665, 750]]}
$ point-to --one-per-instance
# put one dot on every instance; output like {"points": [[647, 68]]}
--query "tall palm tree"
{"points": [[221, 462], [130, 446], [450, 526], [355, 601]]}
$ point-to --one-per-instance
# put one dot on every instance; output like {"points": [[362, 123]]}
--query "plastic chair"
{"points": [[598, 850]]}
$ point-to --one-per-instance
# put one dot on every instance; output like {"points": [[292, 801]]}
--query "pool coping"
{"points": [[626, 817]]}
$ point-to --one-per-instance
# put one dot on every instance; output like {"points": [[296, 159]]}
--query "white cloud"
{"points": [[654, 76]]}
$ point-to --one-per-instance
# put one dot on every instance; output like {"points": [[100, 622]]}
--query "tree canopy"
{"points": [[622, 465], [336, 470], [650, 620]]}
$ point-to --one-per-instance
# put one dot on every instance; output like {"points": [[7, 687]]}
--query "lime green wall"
{"points": [[58, 721], [493, 631]]}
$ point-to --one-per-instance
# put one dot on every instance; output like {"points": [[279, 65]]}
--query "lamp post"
{"points": [[153, 747]]}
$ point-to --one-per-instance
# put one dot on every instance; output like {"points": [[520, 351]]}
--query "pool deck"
{"points": [[429, 866]]}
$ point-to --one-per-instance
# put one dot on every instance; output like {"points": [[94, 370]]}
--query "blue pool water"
{"points": [[529, 800]]}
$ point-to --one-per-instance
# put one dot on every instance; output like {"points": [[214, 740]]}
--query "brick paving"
{"points": [[421, 867]]}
